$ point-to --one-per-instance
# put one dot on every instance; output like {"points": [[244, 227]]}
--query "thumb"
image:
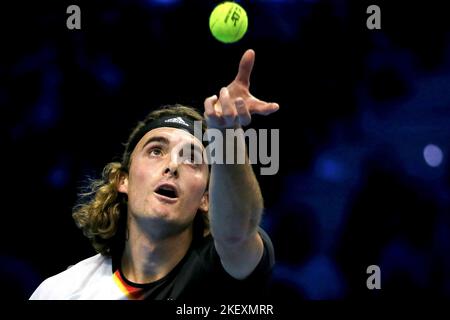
{"points": [[263, 108]]}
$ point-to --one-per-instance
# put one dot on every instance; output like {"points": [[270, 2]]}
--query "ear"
{"points": [[122, 187], [204, 202]]}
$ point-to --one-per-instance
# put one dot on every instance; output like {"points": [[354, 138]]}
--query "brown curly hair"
{"points": [[101, 210]]}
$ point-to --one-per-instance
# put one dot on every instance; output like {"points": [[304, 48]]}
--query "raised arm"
{"points": [[236, 203]]}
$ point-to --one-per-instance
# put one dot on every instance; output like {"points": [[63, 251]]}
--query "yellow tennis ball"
{"points": [[228, 22]]}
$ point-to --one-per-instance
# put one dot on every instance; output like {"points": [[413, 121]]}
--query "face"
{"points": [[165, 186]]}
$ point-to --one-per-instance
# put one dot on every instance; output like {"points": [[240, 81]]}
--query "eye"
{"points": [[155, 151]]}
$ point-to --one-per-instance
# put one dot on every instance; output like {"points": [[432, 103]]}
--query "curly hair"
{"points": [[101, 212]]}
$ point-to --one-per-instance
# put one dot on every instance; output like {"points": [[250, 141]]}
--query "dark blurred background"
{"points": [[364, 124]]}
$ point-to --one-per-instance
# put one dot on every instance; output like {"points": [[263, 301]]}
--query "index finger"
{"points": [[246, 67]]}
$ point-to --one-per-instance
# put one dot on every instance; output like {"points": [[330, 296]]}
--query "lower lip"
{"points": [[165, 199]]}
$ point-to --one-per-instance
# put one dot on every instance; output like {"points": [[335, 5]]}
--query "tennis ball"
{"points": [[228, 22]]}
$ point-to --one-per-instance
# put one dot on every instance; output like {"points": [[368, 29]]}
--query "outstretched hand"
{"points": [[236, 104]]}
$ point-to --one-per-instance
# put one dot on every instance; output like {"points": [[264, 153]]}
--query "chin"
{"points": [[167, 226], [162, 213]]}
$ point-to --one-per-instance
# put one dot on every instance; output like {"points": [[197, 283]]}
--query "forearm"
{"points": [[236, 202]]}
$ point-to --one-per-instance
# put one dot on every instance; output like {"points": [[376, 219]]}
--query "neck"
{"points": [[148, 258]]}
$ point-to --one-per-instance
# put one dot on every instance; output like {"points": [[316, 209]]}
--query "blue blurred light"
{"points": [[45, 113], [162, 2], [329, 169], [108, 74], [58, 176], [110, 77], [321, 279], [36, 61], [433, 155], [318, 279], [401, 256]]}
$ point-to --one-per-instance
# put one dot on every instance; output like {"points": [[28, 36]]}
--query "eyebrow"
{"points": [[164, 140], [159, 139]]}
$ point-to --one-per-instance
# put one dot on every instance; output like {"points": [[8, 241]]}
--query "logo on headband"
{"points": [[177, 120]]}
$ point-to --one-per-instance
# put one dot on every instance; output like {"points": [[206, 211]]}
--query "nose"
{"points": [[172, 167]]}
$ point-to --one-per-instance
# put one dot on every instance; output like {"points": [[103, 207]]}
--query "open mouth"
{"points": [[167, 191]]}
